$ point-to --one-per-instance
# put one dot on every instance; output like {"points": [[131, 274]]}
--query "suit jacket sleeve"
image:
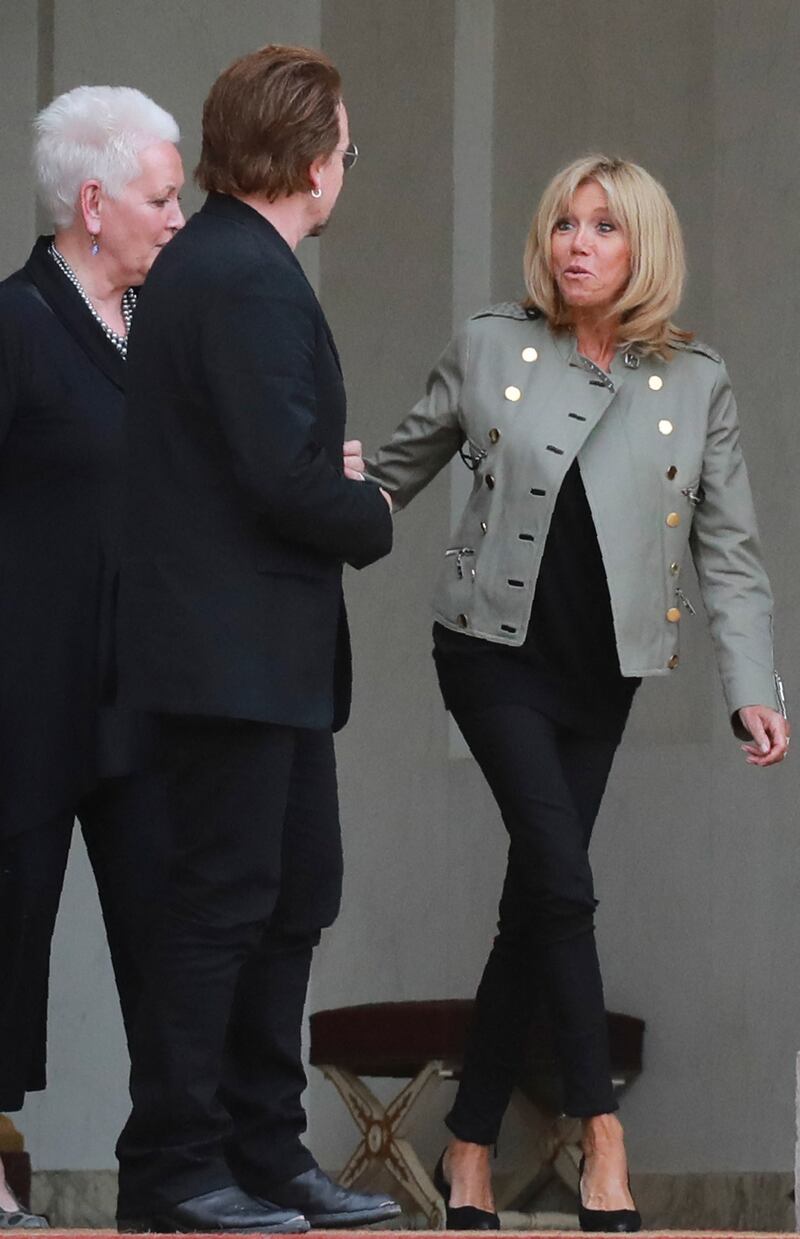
{"points": [[431, 434], [259, 350], [10, 365], [727, 554]]}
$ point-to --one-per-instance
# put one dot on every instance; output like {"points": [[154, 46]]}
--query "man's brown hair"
{"points": [[267, 117]]}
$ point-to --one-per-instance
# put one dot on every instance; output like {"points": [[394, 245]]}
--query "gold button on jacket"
{"points": [[555, 411]]}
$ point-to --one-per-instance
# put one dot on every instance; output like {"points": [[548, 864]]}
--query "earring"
{"points": [[316, 192], [94, 239]]}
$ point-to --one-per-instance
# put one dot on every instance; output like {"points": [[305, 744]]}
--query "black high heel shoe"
{"points": [[615, 1221], [465, 1217]]}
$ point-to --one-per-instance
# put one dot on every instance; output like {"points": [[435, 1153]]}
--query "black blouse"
{"points": [[567, 667], [61, 445]]}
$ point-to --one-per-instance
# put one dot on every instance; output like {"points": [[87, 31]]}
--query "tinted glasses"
{"points": [[349, 155]]}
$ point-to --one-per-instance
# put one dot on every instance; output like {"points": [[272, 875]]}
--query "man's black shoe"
{"points": [[326, 1203], [226, 1209]]}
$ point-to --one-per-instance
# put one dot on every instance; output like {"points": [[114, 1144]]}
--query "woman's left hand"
{"points": [[770, 732]]}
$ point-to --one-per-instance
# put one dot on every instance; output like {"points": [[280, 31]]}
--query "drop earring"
{"points": [[316, 192], [94, 238]]}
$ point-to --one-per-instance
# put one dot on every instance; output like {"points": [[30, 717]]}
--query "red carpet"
{"points": [[431, 1234]]}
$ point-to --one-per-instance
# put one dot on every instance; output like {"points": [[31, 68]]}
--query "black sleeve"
{"points": [[258, 358], [12, 364]]}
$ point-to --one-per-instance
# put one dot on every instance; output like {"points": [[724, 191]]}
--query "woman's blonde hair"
{"points": [[658, 265]]}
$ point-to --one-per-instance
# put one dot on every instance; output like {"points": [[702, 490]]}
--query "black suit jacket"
{"points": [[61, 449], [239, 517]]}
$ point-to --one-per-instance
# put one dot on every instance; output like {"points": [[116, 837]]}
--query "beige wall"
{"points": [[390, 251], [18, 74], [696, 855]]}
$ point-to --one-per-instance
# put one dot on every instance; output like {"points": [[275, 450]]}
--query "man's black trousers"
{"points": [[216, 1075]]}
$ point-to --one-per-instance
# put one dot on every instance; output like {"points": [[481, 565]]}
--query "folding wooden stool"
{"points": [[423, 1042]]}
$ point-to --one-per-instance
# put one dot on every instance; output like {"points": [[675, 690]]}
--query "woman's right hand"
{"points": [[770, 732]]}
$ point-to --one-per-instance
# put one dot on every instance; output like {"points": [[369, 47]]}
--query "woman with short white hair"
{"points": [[109, 175]]}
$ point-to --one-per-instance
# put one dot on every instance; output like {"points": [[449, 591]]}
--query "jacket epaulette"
{"points": [[507, 309], [697, 346]]}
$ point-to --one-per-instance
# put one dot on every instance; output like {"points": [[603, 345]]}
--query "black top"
{"points": [[568, 666], [61, 445], [239, 517]]}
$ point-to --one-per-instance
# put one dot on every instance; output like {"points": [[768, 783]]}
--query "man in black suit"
{"points": [[232, 630]]}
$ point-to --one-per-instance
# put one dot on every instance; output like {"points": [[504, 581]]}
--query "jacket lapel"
{"points": [[68, 306]]}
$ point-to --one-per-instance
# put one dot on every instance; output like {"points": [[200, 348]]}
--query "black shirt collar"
{"points": [[69, 308]]}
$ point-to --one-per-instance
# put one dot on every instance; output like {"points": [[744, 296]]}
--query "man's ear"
{"points": [[315, 176]]}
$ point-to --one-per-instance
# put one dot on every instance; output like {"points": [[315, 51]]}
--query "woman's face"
{"points": [[136, 226], [591, 258]]}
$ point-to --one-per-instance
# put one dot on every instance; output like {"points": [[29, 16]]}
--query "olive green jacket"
{"points": [[658, 447]]}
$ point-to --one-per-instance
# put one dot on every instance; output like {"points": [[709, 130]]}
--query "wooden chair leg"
{"points": [[368, 1114], [404, 1165], [381, 1144]]}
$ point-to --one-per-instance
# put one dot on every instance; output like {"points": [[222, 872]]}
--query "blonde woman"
{"points": [[603, 442]]}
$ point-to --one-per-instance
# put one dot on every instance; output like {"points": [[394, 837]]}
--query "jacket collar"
{"points": [[68, 306], [228, 207], [566, 345]]}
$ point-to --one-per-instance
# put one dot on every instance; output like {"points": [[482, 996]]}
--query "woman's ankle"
{"points": [[464, 1152], [467, 1169], [601, 1133]]}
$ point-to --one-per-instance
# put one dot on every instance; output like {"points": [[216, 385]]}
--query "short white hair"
{"points": [[94, 133]]}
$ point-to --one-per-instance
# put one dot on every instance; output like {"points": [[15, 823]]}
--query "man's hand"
{"points": [[770, 732], [354, 460]]}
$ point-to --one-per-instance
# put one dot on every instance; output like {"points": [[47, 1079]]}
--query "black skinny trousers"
{"points": [[548, 782]]}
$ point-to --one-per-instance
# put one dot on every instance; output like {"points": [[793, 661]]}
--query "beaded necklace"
{"points": [[128, 304]]}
